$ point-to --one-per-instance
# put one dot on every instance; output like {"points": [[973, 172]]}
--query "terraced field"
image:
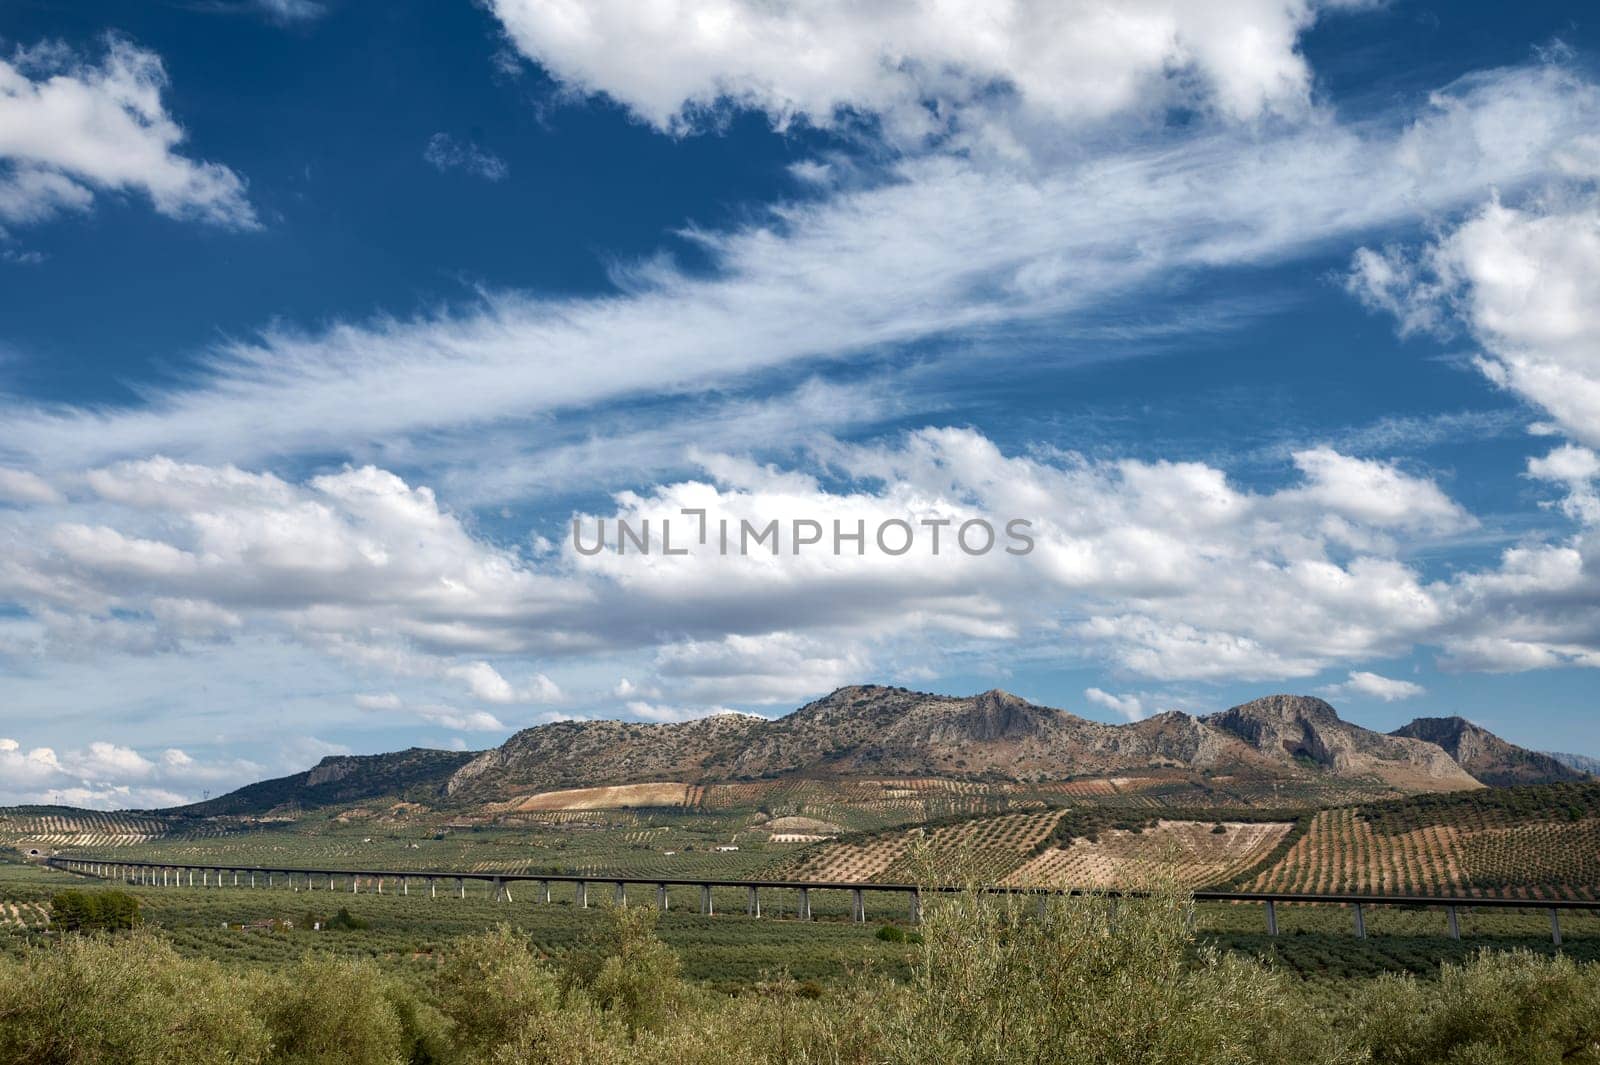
{"points": [[1343, 850], [982, 850], [37, 827], [1191, 852]]}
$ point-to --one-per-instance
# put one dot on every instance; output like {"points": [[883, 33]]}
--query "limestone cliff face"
{"points": [[1300, 729]]}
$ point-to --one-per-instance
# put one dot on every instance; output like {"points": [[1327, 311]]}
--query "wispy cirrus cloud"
{"points": [[943, 249]]}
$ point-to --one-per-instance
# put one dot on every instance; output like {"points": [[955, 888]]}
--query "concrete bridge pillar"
{"points": [[1452, 922], [707, 906], [620, 894], [502, 892], [433, 888], [803, 911], [355, 885], [1272, 918], [1361, 921], [662, 901], [405, 885], [583, 894], [544, 892], [1555, 926], [191, 876], [330, 881], [380, 885], [461, 887], [916, 907], [752, 902], [858, 906]]}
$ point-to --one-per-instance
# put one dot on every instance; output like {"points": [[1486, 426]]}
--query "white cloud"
{"points": [[384, 701], [1167, 569], [20, 486], [444, 152], [461, 720], [660, 713], [1375, 493], [920, 67], [486, 683], [291, 10], [1526, 283], [104, 775], [1376, 686], [941, 247], [1129, 706], [70, 129], [1578, 470]]}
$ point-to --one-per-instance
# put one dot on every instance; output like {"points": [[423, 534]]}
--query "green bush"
{"points": [[628, 971], [126, 1001], [891, 933], [94, 911], [1514, 1008]]}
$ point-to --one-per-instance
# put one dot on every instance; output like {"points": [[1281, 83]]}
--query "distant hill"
{"points": [[1486, 756], [880, 731], [1581, 762], [337, 779]]}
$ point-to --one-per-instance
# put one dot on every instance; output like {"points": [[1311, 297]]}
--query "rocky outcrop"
{"points": [[1486, 756], [1306, 731]]}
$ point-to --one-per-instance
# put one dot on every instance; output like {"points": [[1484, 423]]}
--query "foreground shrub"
{"points": [[627, 971], [1514, 1008], [993, 982], [491, 987], [331, 1011], [1092, 981], [126, 1001]]}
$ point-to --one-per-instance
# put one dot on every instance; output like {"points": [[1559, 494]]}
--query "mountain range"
{"points": [[875, 732]]}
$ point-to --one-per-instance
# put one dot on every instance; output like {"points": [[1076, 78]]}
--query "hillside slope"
{"points": [[1290, 729], [337, 779], [1485, 755], [871, 731]]}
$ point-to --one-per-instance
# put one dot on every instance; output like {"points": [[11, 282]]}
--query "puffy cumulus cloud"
{"points": [[941, 248], [1577, 469], [103, 775], [920, 67], [70, 128], [1166, 570], [1525, 283], [486, 683], [1375, 493], [778, 667], [661, 713], [1376, 686], [1129, 706]]}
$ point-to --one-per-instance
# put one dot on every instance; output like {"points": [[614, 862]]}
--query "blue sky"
{"points": [[321, 322]]}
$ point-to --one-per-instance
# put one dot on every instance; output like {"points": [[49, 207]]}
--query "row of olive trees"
{"points": [[994, 983]]}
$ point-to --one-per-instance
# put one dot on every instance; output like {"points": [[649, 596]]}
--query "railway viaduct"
{"points": [[169, 874]]}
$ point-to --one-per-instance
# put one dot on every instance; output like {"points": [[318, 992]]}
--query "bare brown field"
{"points": [[616, 797]]}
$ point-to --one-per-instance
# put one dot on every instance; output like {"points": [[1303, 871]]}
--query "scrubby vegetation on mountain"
{"points": [[877, 731], [338, 779]]}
